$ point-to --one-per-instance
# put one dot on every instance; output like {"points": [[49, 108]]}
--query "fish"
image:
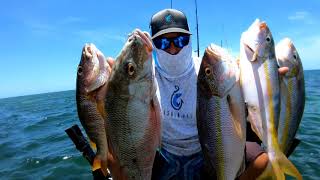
{"points": [[92, 76], [221, 119], [292, 92], [260, 85], [133, 110]]}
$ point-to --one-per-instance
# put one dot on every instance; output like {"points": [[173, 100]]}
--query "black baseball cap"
{"points": [[168, 20]]}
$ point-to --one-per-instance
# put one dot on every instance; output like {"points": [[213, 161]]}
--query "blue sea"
{"points": [[34, 145]]}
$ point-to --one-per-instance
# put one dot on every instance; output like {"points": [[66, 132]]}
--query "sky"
{"points": [[41, 40]]}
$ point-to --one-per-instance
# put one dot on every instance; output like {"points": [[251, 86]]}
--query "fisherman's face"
{"points": [[173, 49]]}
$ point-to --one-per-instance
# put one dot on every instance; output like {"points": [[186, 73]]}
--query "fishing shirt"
{"points": [[177, 92]]}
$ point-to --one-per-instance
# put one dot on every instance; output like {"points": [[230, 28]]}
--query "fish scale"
{"points": [[221, 114], [93, 72], [284, 126], [260, 85], [127, 131], [292, 93], [132, 108]]}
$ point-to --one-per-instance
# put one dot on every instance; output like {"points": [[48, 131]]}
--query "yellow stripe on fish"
{"points": [[292, 93], [220, 114], [288, 116]]}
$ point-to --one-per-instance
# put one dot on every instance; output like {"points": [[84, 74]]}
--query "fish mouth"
{"points": [[102, 74], [263, 25], [138, 45], [91, 63], [249, 51], [143, 37], [97, 77], [212, 51], [287, 56]]}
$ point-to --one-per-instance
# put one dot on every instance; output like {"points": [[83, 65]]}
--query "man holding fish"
{"points": [[180, 156], [183, 154]]}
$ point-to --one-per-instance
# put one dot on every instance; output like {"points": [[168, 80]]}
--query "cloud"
{"points": [[302, 16]]}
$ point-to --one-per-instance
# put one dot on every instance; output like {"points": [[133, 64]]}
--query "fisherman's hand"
{"points": [[283, 70], [145, 37], [110, 61]]}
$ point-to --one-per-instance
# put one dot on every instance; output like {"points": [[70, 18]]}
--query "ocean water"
{"points": [[34, 145]]}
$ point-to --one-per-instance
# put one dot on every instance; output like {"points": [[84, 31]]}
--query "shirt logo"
{"points": [[176, 101]]}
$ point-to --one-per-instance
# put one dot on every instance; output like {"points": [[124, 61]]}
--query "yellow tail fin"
{"points": [[278, 166], [93, 145], [287, 167], [100, 164]]}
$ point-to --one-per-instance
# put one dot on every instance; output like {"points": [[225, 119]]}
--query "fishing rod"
{"points": [[83, 146], [197, 26]]}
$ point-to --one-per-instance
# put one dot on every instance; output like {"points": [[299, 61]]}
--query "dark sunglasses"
{"points": [[164, 43]]}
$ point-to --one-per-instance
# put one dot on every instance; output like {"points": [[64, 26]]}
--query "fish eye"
{"points": [[130, 69], [80, 70], [207, 71], [295, 56], [268, 38]]}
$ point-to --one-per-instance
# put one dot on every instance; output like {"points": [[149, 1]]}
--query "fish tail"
{"points": [[279, 166], [100, 163], [272, 172], [93, 145], [96, 164], [286, 166], [278, 173], [267, 174]]}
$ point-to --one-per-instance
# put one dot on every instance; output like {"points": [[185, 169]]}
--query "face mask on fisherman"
{"points": [[174, 65]]}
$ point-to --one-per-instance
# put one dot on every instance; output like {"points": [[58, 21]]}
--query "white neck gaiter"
{"points": [[174, 66]]}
